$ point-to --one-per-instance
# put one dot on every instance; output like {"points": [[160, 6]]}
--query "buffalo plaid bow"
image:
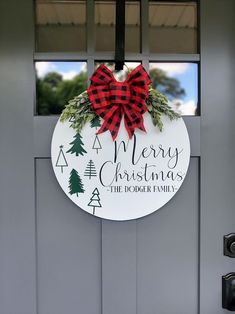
{"points": [[111, 99]]}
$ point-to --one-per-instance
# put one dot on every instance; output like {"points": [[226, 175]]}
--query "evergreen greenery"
{"points": [[79, 108], [157, 105]]}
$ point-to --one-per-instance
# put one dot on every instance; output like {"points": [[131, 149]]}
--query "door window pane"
{"points": [[172, 27], [179, 82], [57, 83], [60, 25], [132, 35], [105, 16], [105, 12]]}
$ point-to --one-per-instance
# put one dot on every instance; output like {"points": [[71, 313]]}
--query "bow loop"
{"points": [[101, 76], [112, 100], [139, 77]]}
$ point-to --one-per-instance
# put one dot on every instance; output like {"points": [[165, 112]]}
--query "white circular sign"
{"points": [[125, 179]]}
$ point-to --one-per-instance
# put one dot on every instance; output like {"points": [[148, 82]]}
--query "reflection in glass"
{"points": [[172, 27], [105, 12], [60, 25], [179, 82], [57, 83], [132, 27], [105, 15]]}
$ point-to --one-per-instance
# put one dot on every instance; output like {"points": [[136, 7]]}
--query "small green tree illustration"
{"points": [[90, 170], [75, 183], [61, 160], [96, 144], [95, 200], [77, 146], [95, 123]]}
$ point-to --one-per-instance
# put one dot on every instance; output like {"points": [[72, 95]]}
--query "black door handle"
{"points": [[228, 292], [229, 245]]}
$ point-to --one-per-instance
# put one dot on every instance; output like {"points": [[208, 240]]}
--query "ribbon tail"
{"points": [[129, 126], [132, 125], [130, 132], [103, 128], [112, 124], [141, 125]]}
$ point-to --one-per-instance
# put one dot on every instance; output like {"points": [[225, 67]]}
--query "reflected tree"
{"points": [[166, 85], [53, 93], [53, 79]]}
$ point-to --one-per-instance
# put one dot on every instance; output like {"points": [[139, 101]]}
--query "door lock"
{"points": [[228, 292], [229, 245]]}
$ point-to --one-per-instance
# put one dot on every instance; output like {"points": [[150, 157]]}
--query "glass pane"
{"points": [[172, 27], [179, 82], [119, 75], [132, 35], [105, 15], [57, 83], [60, 25], [105, 25]]}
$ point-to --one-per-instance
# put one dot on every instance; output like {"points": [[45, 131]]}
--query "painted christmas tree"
{"points": [[95, 200], [77, 146], [61, 160], [96, 144], [95, 123], [90, 170], [75, 183]]}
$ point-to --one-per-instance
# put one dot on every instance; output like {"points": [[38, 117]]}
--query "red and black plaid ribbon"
{"points": [[111, 100]]}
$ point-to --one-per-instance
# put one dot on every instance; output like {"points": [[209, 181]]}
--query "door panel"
{"points": [[167, 253], [142, 261], [119, 267], [88, 266], [68, 250], [218, 149]]}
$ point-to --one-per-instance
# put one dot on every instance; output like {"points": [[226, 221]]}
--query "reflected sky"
{"points": [[187, 75], [67, 69]]}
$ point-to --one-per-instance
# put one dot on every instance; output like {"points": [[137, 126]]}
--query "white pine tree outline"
{"points": [[96, 144], [90, 170], [61, 160], [95, 200]]}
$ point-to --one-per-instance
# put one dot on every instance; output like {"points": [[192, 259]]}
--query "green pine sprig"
{"points": [[80, 112], [158, 105]]}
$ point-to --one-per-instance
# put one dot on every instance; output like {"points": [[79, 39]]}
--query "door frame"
{"points": [[20, 146]]}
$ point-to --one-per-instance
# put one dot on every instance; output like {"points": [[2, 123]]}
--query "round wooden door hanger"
{"points": [[122, 179]]}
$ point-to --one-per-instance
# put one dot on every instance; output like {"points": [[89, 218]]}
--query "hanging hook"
{"points": [[120, 35]]}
